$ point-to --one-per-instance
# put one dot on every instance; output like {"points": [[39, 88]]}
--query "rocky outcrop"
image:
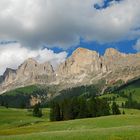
{"points": [[28, 73], [32, 71], [81, 68], [1, 79], [88, 67], [81, 61], [9, 75]]}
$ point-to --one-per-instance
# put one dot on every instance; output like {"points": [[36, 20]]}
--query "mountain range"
{"points": [[83, 67]]}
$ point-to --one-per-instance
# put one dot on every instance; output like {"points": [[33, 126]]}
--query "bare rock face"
{"points": [[78, 67], [87, 67], [81, 61], [31, 70], [121, 66], [34, 100], [1, 79], [83, 67], [28, 73], [9, 75]]}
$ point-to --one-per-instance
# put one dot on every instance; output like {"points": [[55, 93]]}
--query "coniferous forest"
{"points": [[76, 108]]}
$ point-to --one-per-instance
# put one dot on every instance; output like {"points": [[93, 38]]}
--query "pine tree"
{"points": [[115, 109], [83, 111], [6, 105], [37, 112], [123, 112], [123, 105], [55, 112]]}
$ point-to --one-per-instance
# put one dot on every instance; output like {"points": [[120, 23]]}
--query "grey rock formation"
{"points": [[9, 75], [88, 67], [1, 79], [28, 73], [83, 67]]}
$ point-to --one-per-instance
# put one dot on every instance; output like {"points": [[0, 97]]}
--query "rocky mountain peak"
{"points": [[28, 73], [82, 67], [83, 51], [81, 62], [29, 62], [112, 52]]}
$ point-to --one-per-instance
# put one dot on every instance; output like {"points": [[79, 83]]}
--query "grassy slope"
{"points": [[134, 88], [22, 90], [17, 121]]}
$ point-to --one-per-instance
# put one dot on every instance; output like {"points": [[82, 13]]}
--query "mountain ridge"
{"points": [[83, 67]]}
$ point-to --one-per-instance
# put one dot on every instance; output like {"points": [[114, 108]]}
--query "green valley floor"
{"points": [[18, 124]]}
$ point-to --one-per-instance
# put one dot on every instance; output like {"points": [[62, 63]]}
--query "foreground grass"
{"points": [[17, 124], [15, 118], [116, 133]]}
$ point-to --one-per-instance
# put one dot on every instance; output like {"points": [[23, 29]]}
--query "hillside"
{"points": [[122, 93], [24, 97], [21, 97], [102, 128]]}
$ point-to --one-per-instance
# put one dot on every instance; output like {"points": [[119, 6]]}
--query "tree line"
{"points": [[76, 108], [130, 103]]}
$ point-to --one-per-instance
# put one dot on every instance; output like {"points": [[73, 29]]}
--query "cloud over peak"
{"points": [[12, 55]]}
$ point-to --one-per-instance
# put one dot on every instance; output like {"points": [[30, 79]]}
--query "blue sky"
{"points": [[105, 4], [92, 45], [125, 46]]}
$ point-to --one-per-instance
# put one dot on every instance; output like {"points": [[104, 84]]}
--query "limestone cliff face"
{"points": [[116, 60], [28, 73], [121, 66], [9, 75], [32, 71], [81, 61], [1, 79], [87, 67], [81, 68]]}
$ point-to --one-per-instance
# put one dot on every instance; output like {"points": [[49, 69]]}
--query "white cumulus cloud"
{"points": [[12, 55], [63, 22]]}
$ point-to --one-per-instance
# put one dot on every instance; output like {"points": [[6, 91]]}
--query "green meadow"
{"points": [[19, 124]]}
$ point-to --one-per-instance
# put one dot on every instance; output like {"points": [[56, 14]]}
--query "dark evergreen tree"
{"points": [[55, 112], [123, 112], [83, 111], [94, 103], [67, 110], [115, 109], [6, 105], [105, 107], [123, 105], [75, 107], [37, 112]]}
